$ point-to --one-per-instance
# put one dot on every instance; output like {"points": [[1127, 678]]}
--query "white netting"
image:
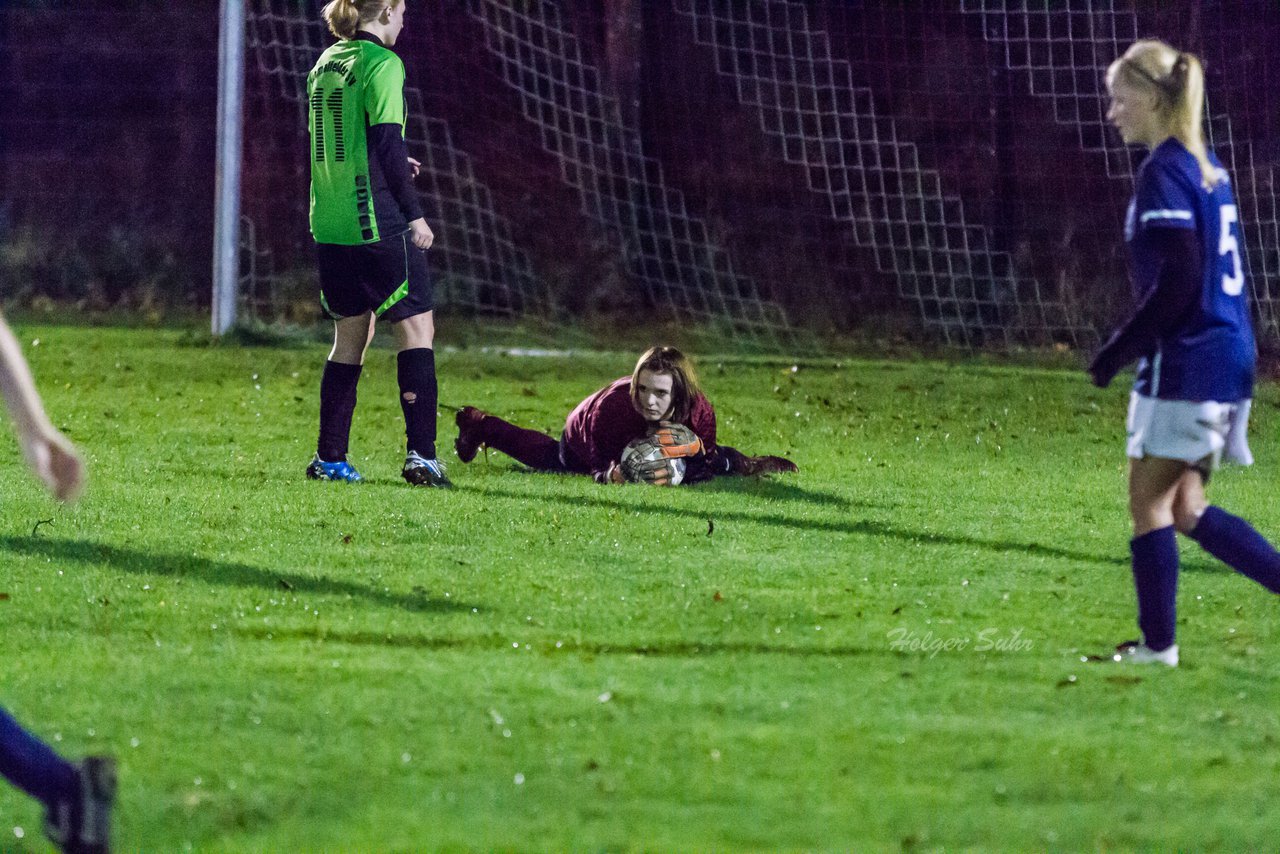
{"points": [[873, 176], [945, 165], [664, 246], [478, 266], [1063, 52]]}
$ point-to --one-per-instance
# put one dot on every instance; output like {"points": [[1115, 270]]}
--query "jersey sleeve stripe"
{"points": [[1147, 216]]}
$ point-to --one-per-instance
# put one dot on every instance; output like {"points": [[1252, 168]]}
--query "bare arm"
{"points": [[50, 454]]}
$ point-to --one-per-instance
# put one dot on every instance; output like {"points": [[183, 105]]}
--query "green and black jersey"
{"points": [[361, 190]]}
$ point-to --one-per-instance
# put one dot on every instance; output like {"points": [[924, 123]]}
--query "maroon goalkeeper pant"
{"points": [[535, 449]]}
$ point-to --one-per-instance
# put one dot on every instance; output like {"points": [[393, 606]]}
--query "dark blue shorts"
{"points": [[389, 278]]}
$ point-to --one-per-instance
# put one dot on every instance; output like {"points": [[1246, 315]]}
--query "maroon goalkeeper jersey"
{"points": [[599, 428]]}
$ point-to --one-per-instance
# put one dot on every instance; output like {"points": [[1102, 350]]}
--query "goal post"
{"points": [[226, 226]]}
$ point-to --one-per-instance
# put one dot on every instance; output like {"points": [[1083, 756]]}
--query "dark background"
{"points": [[108, 130]]}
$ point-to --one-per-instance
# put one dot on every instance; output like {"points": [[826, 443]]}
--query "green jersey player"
{"points": [[370, 234]]}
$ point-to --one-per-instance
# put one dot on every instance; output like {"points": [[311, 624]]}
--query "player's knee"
{"points": [[1149, 515], [348, 352], [347, 355], [416, 331], [351, 337], [1186, 515]]}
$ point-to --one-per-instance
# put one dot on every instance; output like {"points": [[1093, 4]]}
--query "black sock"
{"points": [[337, 403], [728, 460], [416, 372]]}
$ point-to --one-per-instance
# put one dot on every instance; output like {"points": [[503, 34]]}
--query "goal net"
{"points": [[939, 170], [665, 262], [479, 268]]}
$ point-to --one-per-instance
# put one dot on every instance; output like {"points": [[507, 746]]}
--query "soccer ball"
{"points": [[644, 460]]}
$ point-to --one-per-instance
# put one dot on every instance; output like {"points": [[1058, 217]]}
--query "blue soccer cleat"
{"points": [[320, 470], [420, 471]]}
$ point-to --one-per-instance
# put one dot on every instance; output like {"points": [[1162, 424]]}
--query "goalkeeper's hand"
{"points": [[657, 472], [677, 440]]}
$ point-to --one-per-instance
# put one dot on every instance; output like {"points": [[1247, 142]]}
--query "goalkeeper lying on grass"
{"points": [[661, 390]]}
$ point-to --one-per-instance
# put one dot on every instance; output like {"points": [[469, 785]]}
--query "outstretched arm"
{"points": [[50, 454]]}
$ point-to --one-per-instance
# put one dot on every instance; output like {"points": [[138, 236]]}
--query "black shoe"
{"points": [[755, 466], [468, 442], [81, 824], [420, 471]]}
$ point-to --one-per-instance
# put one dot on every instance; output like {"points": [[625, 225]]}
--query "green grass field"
{"points": [[882, 652]]}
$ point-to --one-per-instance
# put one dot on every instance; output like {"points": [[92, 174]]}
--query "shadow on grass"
{"points": [[780, 490], [861, 527], [757, 487], [655, 649], [217, 572], [1202, 563]]}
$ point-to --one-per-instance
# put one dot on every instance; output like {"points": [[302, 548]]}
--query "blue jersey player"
{"points": [[1192, 335], [77, 796]]}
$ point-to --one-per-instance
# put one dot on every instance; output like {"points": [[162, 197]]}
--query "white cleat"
{"points": [[1135, 652]]}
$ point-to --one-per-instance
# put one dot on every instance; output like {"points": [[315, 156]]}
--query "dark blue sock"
{"points": [[416, 374], [1233, 541], [32, 766], [1155, 575], [337, 404]]}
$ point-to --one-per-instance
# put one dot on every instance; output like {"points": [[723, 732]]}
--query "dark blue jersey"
{"points": [[1208, 352]]}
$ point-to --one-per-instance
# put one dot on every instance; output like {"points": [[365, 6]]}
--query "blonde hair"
{"points": [[1177, 79], [344, 17], [684, 381]]}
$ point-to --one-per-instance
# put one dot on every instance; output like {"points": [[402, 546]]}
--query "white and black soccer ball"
{"points": [[644, 460]]}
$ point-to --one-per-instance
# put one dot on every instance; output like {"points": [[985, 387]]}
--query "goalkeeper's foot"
{"points": [[752, 466], [1136, 652], [81, 824], [344, 471], [468, 442], [420, 471]]}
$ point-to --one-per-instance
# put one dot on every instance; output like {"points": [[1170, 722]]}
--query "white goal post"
{"points": [[226, 226]]}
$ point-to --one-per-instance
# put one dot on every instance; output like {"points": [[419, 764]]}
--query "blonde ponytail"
{"points": [[1178, 79], [344, 17], [1187, 115]]}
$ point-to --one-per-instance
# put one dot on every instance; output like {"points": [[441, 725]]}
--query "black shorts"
{"points": [[389, 278]]}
